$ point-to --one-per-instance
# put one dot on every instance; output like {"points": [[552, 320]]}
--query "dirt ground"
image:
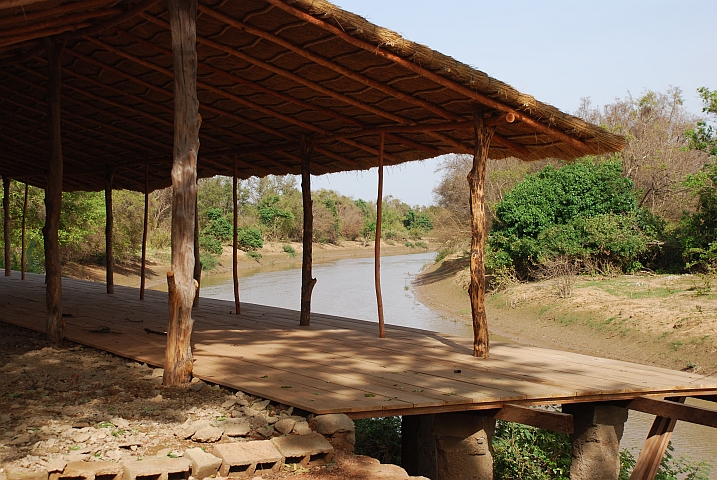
{"points": [[665, 320], [83, 404]]}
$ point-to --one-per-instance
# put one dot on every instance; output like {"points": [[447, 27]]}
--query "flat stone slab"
{"points": [[203, 464], [306, 450], [89, 470], [245, 458], [157, 469]]}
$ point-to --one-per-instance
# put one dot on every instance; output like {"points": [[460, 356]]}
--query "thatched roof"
{"points": [[269, 72]]}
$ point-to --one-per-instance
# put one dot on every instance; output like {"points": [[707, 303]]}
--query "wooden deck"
{"points": [[339, 364]]}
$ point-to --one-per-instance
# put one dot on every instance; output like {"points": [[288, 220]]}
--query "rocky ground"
{"points": [[80, 404]]}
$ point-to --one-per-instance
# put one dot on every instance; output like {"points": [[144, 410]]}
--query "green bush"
{"points": [[249, 239], [208, 261], [208, 243], [697, 232], [421, 244], [379, 438], [290, 250], [529, 453], [255, 255], [219, 227]]}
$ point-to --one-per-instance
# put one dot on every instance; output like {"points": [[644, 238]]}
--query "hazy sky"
{"points": [[558, 51]]}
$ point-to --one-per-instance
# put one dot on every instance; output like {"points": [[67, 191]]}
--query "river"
{"points": [[347, 286]]}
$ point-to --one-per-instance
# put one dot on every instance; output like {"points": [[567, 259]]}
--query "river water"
{"points": [[346, 288]]}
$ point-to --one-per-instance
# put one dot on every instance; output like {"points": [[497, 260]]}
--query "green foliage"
{"points": [[219, 226], [255, 255], [698, 231], [290, 250], [249, 239], [208, 243], [208, 261], [379, 438], [529, 453], [670, 468], [704, 136], [584, 210]]}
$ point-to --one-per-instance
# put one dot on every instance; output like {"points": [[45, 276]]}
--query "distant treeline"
{"points": [[269, 209]]}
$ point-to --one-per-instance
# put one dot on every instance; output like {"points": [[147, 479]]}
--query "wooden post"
{"points": [[377, 242], [24, 222], [54, 324], [235, 242], [6, 224], [143, 270], [476, 182], [109, 226], [307, 282], [178, 363], [197, 261], [654, 448]]}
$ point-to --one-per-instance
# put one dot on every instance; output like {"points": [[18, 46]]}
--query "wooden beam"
{"points": [[48, 32], [676, 410], [109, 226], [476, 183], [307, 281], [197, 261], [54, 12], [424, 72], [18, 3], [535, 417], [21, 57], [648, 462], [377, 240], [6, 224], [24, 224], [235, 239], [178, 363], [56, 21], [55, 324], [113, 22], [143, 271]]}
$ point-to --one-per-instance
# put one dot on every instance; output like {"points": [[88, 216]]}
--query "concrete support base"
{"points": [[448, 446], [596, 441]]}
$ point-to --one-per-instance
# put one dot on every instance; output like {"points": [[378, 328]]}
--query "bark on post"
{"points": [[178, 362], [109, 226], [54, 324], [24, 223], [377, 243], [6, 224], [235, 242], [197, 261], [476, 181], [143, 271], [307, 282]]}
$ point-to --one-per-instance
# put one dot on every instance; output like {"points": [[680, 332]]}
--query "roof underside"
{"points": [[270, 72]]}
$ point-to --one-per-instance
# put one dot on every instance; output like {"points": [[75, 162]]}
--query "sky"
{"points": [[558, 51]]}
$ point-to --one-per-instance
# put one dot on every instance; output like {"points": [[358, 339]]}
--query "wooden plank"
{"points": [[675, 410], [536, 417], [648, 462]]}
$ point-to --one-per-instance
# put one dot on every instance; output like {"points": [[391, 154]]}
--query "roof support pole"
{"points": [[24, 224], [476, 182], [654, 448], [307, 282], [109, 226], [54, 323], [377, 242], [197, 261], [235, 240], [178, 362], [143, 270], [6, 223]]}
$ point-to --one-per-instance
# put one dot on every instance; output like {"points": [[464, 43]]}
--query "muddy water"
{"points": [[345, 287]]}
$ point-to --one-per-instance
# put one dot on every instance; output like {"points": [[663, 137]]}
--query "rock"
{"points": [[25, 474], [229, 403], [195, 387], [208, 434], [306, 450], [158, 372], [243, 402], [302, 428], [344, 441], [260, 405], [240, 394], [157, 399], [189, 428], [285, 425], [120, 422], [249, 412], [271, 420], [57, 464], [203, 464], [266, 432], [237, 427], [332, 423], [237, 413], [258, 422], [81, 437]]}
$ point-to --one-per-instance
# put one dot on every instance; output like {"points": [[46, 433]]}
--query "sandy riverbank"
{"points": [[669, 321]]}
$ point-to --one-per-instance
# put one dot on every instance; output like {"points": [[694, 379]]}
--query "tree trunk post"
{"points": [[6, 224], [197, 260], [109, 226], [143, 271], [178, 363], [377, 242], [235, 241], [307, 281], [24, 224], [54, 324], [476, 182]]}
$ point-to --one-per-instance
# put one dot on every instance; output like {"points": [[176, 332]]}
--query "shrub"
{"points": [[530, 453], [210, 244], [379, 438], [208, 261], [421, 244], [290, 250], [255, 255], [249, 239]]}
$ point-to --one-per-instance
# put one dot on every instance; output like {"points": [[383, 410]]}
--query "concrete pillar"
{"points": [[418, 447], [463, 446], [596, 440]]}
